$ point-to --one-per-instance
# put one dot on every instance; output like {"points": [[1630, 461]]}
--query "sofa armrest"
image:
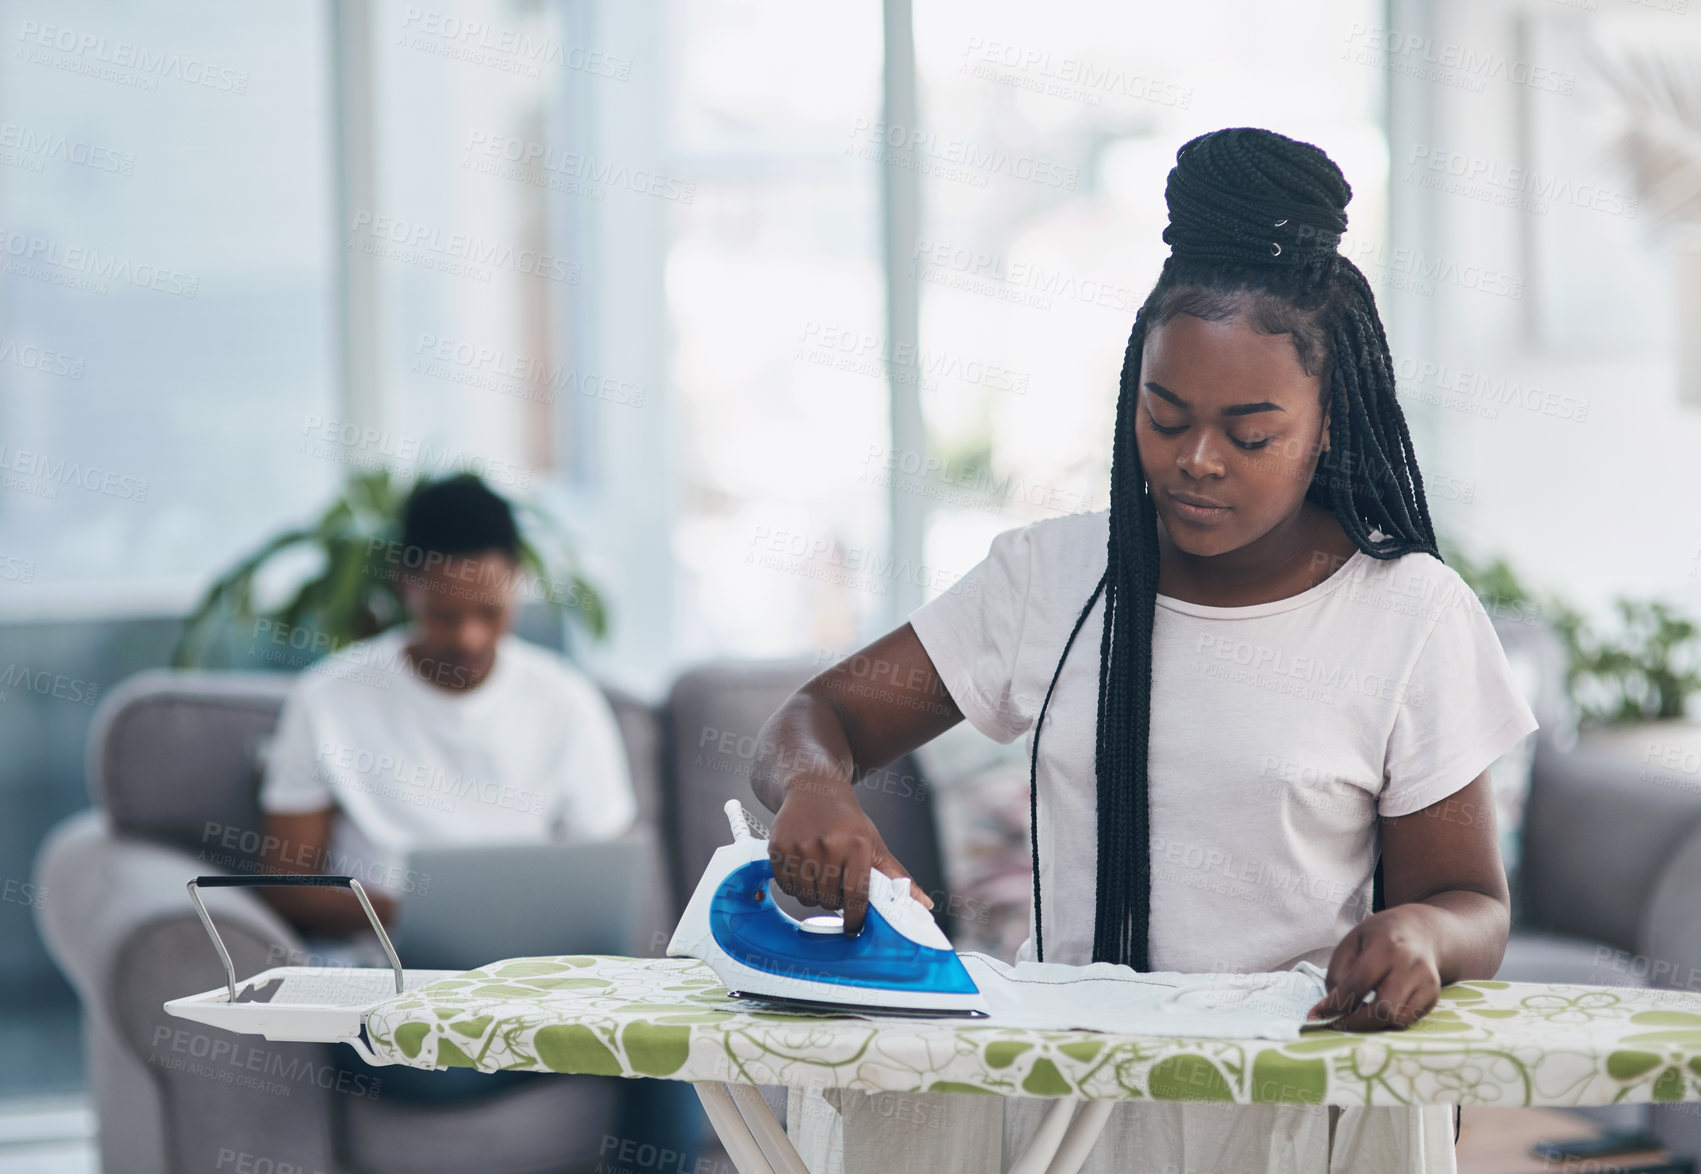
{"points": [[1598, 830], [117, 919], [101, 890], [1668, 941]]}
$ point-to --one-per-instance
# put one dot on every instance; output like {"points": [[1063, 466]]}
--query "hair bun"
{"points": [[1246, 196]]}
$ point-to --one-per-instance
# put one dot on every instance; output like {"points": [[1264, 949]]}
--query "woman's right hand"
{"points": [[822, 847]]}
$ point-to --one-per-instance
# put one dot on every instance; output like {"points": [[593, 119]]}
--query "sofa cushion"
{"points": [[173, 755]]}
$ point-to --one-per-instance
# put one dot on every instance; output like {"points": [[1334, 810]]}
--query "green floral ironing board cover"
{"points": [[1485, 1043]]}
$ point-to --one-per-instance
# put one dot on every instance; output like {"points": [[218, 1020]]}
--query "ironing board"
{"points": [[1485, 1043]]}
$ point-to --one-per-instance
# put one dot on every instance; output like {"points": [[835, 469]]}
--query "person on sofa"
{"points": [[449, 729]]}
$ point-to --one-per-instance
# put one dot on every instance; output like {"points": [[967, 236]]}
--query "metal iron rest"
{"points": [[285, 880]]}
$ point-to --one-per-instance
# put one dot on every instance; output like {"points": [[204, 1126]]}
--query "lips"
{"points": [[1202, 502]]}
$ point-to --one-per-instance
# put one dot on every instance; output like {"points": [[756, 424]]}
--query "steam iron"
{"points": [[899, 963]]}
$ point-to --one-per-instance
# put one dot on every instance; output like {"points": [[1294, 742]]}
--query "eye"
{"points": [[1252, 446]]}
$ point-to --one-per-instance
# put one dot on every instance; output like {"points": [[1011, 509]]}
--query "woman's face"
{"points": [[1225, 416]]}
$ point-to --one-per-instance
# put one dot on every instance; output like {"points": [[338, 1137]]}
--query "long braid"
{"points": [[1255, 219]]}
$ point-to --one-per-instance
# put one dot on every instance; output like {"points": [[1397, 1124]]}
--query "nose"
{"points": [[1199, 457]]}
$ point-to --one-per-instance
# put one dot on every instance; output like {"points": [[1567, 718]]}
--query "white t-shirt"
{"points": [[1279, 732], [533, 752]]}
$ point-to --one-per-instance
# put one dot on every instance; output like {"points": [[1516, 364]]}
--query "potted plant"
{"points": [[1630, 685], [348, 597]]}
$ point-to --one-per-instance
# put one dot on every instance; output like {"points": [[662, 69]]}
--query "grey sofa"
{"points": [[172, 765]]}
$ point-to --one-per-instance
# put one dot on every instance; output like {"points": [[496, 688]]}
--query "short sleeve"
{"points": [[1459, 709], [972, 632], [292, 782], [596, 800]]}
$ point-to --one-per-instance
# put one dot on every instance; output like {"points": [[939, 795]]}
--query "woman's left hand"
{"points": [[1392, 954]]}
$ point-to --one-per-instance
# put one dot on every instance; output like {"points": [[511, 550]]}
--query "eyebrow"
{"points": [[1231, 410]]}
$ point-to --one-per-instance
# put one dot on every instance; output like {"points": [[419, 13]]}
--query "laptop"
{"points": [[484, 902]]}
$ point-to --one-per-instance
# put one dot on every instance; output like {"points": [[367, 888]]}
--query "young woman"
{"points": [[1290, 688]]}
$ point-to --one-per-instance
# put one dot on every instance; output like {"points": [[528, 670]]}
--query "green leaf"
{"points": [[1044, 1080], [1278, 1078], [1667, 1018], [1626, 1065], [655, 1050], [451, 1056], [409, 1036], [1084, 1051], [571, 1047], [1002, 1053], [529, 969]]}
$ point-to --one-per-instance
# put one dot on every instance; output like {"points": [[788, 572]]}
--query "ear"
{"points": [[1325, 429]]}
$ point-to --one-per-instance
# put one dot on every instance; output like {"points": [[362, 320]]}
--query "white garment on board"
{"points": [[1279, 733], [1053, 996]]}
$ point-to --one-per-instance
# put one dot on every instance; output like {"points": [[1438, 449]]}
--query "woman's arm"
{"points": [[1447, 919], [859, 715]]}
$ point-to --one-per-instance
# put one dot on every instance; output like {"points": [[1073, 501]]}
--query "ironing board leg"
{"points": [[1036, 1157], [729, 1126], [1078, 1141], [769, 1133]]}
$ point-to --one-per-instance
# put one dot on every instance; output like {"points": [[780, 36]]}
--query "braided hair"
{"points": [[1255, 219]]}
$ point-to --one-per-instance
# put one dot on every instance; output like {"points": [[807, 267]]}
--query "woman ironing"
{"points": [[1289, 685]]}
